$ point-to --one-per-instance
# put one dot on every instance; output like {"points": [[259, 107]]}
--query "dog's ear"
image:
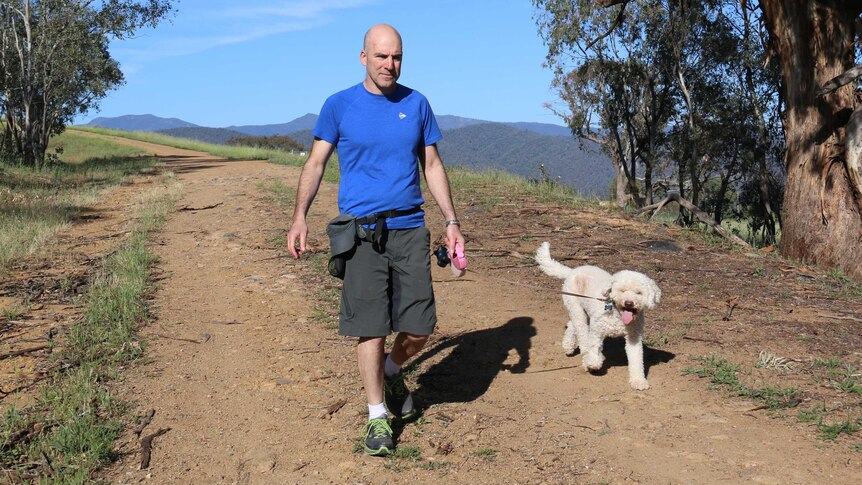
{"points": [[606, 293]]}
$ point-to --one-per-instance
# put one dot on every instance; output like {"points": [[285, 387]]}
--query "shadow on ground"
{"points": [[474, 361]]}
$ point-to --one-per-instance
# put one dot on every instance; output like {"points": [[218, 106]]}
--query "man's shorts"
{"points": [[389, 291]]}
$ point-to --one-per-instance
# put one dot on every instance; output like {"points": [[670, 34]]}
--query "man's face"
{"points": [[382, 60]]}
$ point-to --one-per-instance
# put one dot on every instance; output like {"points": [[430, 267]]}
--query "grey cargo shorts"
{"points": [[389, 291]]}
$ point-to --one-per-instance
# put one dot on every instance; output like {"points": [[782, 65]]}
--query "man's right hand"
{"points": [[298, 233]]}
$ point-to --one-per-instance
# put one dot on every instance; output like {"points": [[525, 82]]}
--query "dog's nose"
{"points": [[629, 304]]}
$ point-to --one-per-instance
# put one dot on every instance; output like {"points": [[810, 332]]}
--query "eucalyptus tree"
{"points": [[55, 63], [611, 72], [817, 43], [815, 46]]}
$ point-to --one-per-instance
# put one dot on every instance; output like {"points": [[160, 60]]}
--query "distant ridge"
{"points": [[521, 152], [304, 122], [219, 136], [519, 148], [140, 123]]}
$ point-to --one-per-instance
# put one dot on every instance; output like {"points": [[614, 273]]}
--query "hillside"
{"points": [[304, 122], [500, 147], [519, 148], [140, 123], [219, 136]]}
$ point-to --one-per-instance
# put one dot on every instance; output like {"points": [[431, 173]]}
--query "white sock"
{"points": [[376, 411], [390, 368]]}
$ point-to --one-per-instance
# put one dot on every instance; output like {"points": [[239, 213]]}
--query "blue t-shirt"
{"points": [[378, 138]]}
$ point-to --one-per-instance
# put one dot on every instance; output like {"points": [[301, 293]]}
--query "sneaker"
{"points": [[398, 399], [378, 437]]}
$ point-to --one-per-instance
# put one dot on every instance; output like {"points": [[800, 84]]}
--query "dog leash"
{"points": [[443, 261], [534, 287]]}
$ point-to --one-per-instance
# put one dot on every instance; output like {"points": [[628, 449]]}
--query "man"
{"points": [[384, 132]]}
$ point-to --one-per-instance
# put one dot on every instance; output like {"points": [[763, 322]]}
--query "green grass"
{"points": [[36, 204], [724, 375], [486, 453], [75, 148], [74, 423]]}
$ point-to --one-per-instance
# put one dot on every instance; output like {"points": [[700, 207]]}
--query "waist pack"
{"points": [[345, 230]]}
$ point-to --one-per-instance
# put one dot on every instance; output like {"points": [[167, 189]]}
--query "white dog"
{"points": [[611, 306]]}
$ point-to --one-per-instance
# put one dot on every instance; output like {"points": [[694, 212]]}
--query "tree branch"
{"points": [[840, 80], [617, 22], [703, 216]]}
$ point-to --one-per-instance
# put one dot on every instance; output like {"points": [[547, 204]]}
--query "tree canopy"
{"points": [[55, 63], [735, 105]]}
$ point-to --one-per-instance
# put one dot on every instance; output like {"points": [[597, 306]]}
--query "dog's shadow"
{"points": [[614, 350], [475, 359]]}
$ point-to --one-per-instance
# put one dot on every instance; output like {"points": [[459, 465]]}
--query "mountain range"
{"points": [[523, 148]]}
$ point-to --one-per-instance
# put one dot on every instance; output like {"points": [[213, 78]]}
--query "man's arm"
{"points": [[309, 183], [438, 185]]}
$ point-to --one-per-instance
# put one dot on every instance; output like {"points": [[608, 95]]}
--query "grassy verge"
{"points": [[226, 151], [70, 431], [35, 204], [830, 422]]}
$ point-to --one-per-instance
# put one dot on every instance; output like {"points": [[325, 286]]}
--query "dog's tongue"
{"points": [[627, 317]]}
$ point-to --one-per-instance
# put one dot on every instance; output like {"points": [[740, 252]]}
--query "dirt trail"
{"points": [[243, 366]]}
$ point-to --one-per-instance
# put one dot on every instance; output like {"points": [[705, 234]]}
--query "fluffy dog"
{"points": [[626, 293]]}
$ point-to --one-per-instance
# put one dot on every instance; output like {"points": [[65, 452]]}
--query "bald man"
{"points": [[385, 133]]}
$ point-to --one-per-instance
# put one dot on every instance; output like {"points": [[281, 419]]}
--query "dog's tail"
{"points": [[549, 265]]}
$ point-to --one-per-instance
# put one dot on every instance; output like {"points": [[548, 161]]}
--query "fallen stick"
{"points": [[144, 422], [840, 317], [147, 447], [686, 337], [23, 351], [187, 208], [333, 408]]}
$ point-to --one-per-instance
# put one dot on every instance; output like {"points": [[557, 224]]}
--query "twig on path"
{"points": [[584, 426], [147, 447], [552, 370], [22, 352], [333, 408], [226, 322], [204, 338], [731, 303], [144, 422], [840, 317], [686, 337], [187, 208]]}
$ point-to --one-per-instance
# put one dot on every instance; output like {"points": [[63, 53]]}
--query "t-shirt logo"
{"points": [[401, 116]]}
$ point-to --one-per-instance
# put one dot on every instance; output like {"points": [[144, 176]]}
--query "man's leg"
{"points": [[370, 356], [399, 401], [407, 345], [377, 432]]}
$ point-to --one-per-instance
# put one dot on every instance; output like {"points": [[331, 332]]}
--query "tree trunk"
{"points": [[822, 221]]}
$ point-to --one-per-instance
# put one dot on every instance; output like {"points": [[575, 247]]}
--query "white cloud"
{"points": [[218, 24]]}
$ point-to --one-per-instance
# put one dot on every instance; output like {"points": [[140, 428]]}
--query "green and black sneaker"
{"points": [[398, 399], [378, 437]]}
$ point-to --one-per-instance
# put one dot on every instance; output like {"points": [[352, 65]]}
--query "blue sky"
{"points": [[224, 62]]}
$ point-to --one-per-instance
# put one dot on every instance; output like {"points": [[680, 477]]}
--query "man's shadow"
{"points": [[474, 361]]}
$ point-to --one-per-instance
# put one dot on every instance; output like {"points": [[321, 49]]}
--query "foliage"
{"points": [[55, 64], [218, 136], [676, 93], [274, 142]]}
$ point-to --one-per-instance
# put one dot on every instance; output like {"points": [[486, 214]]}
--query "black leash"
{"points": [[443, 260]]}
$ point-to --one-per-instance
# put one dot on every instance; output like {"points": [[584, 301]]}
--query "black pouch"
{"points": [[336, 266], [342, 233]]}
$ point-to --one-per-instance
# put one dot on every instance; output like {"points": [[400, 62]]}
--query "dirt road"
{"points": [[245, 361]]}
